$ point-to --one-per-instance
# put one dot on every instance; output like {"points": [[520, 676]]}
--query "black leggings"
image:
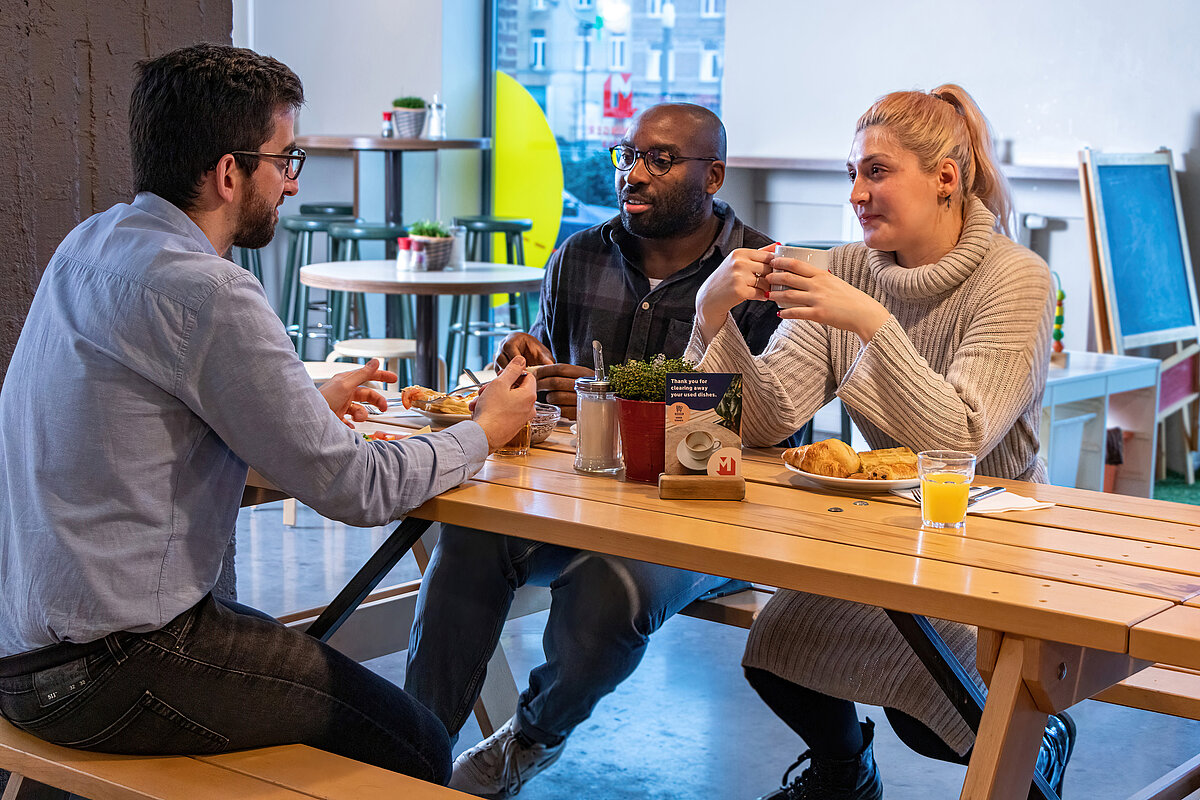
{"points": [[829, 725]]}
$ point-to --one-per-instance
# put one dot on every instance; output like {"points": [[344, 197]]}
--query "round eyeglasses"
{"points": [[293, 160], [658, 162]]}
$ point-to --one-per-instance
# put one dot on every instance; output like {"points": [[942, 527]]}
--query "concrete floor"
{"points": [[685, 725]]}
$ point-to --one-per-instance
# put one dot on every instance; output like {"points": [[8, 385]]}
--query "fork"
{"points": [[975, 498]]}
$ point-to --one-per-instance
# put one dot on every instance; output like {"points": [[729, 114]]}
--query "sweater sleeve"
{"points": [[783, 387], [993, 377]]}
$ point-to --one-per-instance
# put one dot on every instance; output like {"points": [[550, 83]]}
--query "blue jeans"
{"points": [[602, 612], [223, 677]]}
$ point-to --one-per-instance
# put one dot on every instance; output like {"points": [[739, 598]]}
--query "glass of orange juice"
{"points": [[946, 477]]}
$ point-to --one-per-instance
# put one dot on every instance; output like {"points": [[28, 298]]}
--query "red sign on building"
{"points": [[618, 96]]}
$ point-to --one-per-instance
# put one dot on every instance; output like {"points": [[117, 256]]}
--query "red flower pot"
{"points": [[642, 438]]}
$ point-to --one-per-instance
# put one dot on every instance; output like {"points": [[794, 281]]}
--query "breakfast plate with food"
{"points": [[833, 464], [442, 408]]}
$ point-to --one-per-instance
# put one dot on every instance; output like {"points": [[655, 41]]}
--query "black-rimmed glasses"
{"points": [[658, 162], [294, 160]]}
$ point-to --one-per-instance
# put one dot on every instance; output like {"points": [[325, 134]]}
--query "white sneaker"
{"points": [[498, 766]]}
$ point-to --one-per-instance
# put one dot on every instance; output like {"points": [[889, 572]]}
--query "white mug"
{"points": [[700, 444], [809, 255]]}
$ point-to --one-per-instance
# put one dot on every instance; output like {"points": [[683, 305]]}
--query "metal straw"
{"points": [[598, 358]]}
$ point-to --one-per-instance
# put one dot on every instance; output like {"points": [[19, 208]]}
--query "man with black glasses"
{"points": [[115, 514], [631, 284]]}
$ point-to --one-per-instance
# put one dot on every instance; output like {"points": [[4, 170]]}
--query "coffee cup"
{"points": [[809, 255], [696, 448]]}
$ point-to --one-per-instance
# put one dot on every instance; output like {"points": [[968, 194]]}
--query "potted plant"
{"points": [[408, 117], [436, 240], [640, 387]]}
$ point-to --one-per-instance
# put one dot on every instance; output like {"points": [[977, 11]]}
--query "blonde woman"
{"points": [[934, 333]]}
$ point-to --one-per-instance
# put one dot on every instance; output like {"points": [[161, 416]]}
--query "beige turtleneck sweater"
{"points": [[961, 365]]}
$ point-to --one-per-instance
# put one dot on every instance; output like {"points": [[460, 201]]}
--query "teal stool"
{"points": [[344, 238], [484, 328], [302, 230], [335, 208], [249, 260]]}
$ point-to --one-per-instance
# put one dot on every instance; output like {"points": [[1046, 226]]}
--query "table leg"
{"points": [[426, 372], [1010, 733], [366, 579], [393, 192], [953, 679]]}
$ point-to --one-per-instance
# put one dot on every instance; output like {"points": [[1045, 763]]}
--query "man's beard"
{"points": [[256, 226], [676, 212]]}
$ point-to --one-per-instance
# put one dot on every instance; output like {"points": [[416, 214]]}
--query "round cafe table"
{"points": [[382, 277]]}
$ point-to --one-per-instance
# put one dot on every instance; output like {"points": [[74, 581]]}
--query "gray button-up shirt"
{"points": [[149, 373]]}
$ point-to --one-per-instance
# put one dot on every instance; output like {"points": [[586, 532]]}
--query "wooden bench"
{"points": [[43, 771]]}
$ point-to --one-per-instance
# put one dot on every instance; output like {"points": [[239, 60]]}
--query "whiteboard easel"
{"points": [[1143, 288]]}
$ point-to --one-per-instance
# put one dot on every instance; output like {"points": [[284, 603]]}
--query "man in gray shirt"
{"points": [[114, 515]]}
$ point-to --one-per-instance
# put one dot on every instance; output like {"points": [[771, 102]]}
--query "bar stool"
{"points": [[337, 208], [462, 328], [302, 230], [344, 237], [249, 260]]}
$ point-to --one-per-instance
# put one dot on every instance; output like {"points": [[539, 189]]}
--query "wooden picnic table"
{"points": [[1069, 600]]}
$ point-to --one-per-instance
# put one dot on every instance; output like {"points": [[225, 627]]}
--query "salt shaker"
{"points": [[403, 252], [386, 131], [599, 442], [437, 119]]}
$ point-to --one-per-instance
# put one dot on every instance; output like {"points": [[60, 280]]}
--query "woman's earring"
{"points": [[947, 202]]}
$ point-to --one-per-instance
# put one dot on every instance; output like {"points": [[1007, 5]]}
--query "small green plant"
{"points": [[408, 102], [429, 228], [646, 380]]}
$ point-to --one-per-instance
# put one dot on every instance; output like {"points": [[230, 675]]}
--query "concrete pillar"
{"points": [[66, 70]]}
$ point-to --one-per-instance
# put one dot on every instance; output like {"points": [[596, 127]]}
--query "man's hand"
{"points": [[505, 404], [558, 381], [345, 392], [524, 345]]}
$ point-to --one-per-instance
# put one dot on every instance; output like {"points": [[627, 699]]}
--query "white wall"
{"points": [[1053, 76], [354, 57]]}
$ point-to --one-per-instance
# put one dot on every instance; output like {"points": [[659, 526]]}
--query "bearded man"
{"points": [[114, 516], [631, 284]]}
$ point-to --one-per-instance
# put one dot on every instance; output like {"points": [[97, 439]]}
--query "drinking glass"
{"points": [[518, 445], [946, 477]]}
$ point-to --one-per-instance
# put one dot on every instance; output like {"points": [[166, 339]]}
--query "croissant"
{"points": [[831, 458]]}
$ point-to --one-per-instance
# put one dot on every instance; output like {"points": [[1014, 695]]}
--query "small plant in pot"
{"points": [[436, 240], [408, 117], [640, 387]]}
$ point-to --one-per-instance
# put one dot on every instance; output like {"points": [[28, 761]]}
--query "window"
{"points": [[654, 8], [537, 48], [618, 48], [710, 8], [583, 53], [537, 5], [654, 65], [710, 64]]}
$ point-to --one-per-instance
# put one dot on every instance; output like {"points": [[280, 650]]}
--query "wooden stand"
{"points": [[701, 487]]}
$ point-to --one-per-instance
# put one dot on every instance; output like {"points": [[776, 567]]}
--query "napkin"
{"points": [[997, 503]]}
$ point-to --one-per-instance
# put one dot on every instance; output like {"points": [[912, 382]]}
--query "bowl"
{"points": [[545, 417]]}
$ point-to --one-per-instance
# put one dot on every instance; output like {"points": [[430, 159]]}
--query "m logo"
{"points": [[618, 96]]}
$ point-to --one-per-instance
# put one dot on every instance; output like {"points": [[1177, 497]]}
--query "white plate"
{"points": [[855, 484], [440, 418]]}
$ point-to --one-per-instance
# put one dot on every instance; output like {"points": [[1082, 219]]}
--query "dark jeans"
{"points": [[223, 677], [603, 610]]}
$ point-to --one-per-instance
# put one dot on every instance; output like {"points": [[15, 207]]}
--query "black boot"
{"points": [[854, 778]]}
